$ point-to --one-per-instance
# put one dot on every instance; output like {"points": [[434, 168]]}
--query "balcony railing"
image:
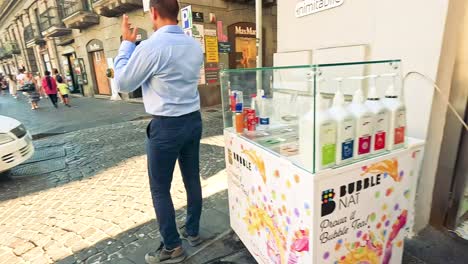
{"points": [[32, 36], [78, 14], [28, 33], [51, 23], [71, 7], [114, 8], [50, 18], [12, 47], [2, 53]]}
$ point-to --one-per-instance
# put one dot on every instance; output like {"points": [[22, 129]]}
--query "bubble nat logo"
{"points": [[328, 205]]}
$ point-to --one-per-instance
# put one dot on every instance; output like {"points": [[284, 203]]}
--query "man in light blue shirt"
{"points": [[167, 67]]}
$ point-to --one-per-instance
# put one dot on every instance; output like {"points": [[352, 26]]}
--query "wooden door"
{"points": [[100, 67]]}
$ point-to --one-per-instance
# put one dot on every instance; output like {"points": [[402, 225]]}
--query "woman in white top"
{"points": [[12, 85]]}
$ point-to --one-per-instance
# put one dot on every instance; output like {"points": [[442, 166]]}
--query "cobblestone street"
{"points": [[90, 201]]}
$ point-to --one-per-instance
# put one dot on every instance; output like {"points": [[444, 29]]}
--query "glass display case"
{"points": [[318, 116]]}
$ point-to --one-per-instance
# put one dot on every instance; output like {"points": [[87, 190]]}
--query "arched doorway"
{"points": [[98, 61]]}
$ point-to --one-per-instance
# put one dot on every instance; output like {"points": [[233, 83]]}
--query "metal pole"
{"points": [[259, 27]]}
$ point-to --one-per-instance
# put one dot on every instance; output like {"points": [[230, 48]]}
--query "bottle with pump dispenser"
{"points": [[325, 137], [397, 115], [346, 126], [306, 140], [380, 133], [364, 125]]}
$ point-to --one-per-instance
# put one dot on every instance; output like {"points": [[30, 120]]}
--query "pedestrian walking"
{"points": [[20, 77], [57, 75], [12, 86], [3, 85], [50, 87], [167, 67], [30, 88], [42, 93], [63, 91]]}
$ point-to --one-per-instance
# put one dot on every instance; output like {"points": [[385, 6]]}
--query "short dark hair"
{"points": [[47, 73], [59, 79], [167, 8]]}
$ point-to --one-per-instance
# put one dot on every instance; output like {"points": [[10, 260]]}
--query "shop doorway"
{"points": [[95, 49], [450, 201], [69, 73]]}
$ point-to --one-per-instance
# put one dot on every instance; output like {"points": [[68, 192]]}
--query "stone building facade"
{"points": [[80, 38]]}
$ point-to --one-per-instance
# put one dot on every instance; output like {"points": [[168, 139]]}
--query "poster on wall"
{"points": [[242, 35], [221, 36], [198, 31], [211, 49], [210, 32], [363, 213], [269, 203], [211, 72]]}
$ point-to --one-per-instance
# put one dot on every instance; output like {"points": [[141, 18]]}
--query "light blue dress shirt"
{"points": [[166, 66]]}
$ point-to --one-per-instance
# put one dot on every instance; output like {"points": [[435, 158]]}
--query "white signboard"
{"points": [[186, 15], [198, 31], [146, 5], [309, 7]]}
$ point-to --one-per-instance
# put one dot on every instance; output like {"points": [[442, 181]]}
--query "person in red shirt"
{"points": [[50, 87]]}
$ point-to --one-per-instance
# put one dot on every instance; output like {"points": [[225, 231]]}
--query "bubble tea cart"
{"points": [[292, 198]]}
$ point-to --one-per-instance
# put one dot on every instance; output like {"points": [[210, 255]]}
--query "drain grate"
{"points": [[38, 168], [47, 154]]}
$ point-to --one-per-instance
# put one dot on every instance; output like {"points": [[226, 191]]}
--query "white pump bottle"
{"points": [[380, 133], [364, 125], [397, 113], [346, 127]]}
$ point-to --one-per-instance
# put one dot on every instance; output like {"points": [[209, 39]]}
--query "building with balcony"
{"points": [[78, 14], [32, 36], [93, 48], [51, 23], [81, 37], [115, 8]]}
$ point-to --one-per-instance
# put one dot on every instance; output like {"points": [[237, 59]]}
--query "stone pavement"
{"points": [[84, 113], [97, 207], [84, 198]]}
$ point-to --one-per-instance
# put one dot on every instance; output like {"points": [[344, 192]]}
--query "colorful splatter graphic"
{"points": [[389, 166], [396, 228], [367, 253], [258, 161], [258, 220]]}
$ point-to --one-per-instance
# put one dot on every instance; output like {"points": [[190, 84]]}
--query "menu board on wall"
{"points": [[211, 49], [211, 72]]}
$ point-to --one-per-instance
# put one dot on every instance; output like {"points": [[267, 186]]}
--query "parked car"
{"points": [[15, 143]]}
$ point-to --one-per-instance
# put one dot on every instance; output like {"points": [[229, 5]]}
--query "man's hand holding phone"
{"points": [[128, 33]]}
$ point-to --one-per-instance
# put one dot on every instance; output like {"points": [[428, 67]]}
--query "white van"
{"points": [[15, 143]]}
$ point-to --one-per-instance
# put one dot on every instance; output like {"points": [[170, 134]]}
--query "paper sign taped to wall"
{"points": [[146, 5]]}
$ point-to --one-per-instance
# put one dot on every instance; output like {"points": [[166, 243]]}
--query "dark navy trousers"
{"points": [[170, 139]]}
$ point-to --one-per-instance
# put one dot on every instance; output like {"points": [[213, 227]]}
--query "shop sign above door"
{"points": [[309, 7], [94, 45]]}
